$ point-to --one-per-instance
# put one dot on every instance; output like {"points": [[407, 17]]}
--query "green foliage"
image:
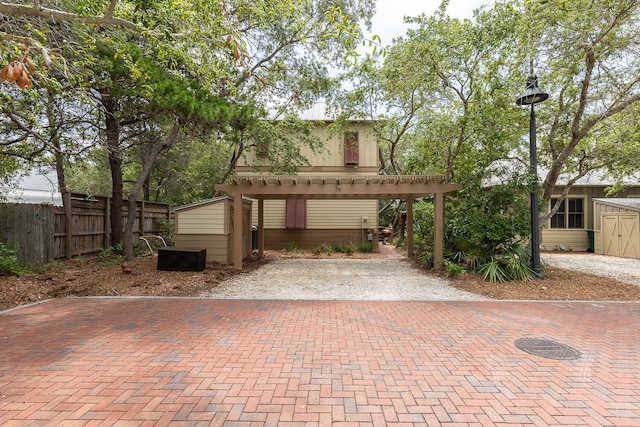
{"points": [[486, 221], [116, 253], [112, 255], [8, 261], [493, 272], [511, 266], [367, 248], [425, 259], [293, 247], [168, 230], [452, 268], [423, 221], [342, 248]]}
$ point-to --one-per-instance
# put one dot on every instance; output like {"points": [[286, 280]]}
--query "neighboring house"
{"points": [[572, 227], [308, 224], [36, 187]]}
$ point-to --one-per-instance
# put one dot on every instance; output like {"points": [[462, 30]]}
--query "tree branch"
{"points": [[111, 9], [43, 12]]}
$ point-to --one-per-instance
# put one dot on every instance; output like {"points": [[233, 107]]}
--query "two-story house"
{"points": [[333, 201], [310, 223]]}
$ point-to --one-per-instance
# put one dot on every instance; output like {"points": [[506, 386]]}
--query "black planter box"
{"points": [[181, 259]]}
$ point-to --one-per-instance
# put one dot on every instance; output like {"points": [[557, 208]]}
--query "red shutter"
{"points": [[296, 213], [351, 149]]}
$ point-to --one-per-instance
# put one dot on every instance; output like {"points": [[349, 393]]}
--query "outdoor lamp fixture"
{"points": [[532, 95]]}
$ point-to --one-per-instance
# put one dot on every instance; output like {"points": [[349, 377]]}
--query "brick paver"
{"points": [[191, 362]]}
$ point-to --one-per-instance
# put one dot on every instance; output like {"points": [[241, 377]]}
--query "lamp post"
{"points": [[532, 95]]}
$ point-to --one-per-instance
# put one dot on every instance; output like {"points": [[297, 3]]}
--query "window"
{"points": [[351, 149], [296, 212], [570, 214], [262, 148]]}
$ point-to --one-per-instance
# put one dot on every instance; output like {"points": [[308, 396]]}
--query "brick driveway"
{"points": [[146, 361]]}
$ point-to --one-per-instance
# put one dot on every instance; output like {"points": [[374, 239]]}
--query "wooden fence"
{"points": [[41, 233]]}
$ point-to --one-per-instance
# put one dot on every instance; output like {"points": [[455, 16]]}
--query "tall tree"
{"points": [[586, 55]]}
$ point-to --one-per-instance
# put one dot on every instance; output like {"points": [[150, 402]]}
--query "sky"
{"points": [[389, 19]]}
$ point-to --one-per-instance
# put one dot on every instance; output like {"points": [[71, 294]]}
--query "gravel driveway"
{"points": [[340, 279], [622, 269], [385, 279]]}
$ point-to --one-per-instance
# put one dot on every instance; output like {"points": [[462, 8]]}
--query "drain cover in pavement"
{"points": [[547, 349]]}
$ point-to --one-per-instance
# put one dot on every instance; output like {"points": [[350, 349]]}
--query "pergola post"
{"points": [[260, 228], [410, 227], [438, 229], [237, 231]]}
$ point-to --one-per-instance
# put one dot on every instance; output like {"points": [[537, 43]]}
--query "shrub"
{"points": [[453, 268], [425, 259], [484, 222], [342, 248], [112, 255], [511, 266], [293, 247], [367, 248], [167, 227], [8, 261]]}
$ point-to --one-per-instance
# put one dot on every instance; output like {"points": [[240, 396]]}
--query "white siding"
{"points": [[324, 214], [341, 214], [332, 154], [570, 239], [274, 214], [205, 219]]}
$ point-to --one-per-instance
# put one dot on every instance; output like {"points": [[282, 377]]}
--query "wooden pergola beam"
{"points": [[340, 188]]}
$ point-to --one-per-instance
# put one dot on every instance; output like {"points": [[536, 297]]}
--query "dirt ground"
{"points": [[87, 276]]}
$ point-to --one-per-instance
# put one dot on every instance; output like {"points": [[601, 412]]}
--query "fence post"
{"points": [[107, 223], [142, 219], [67, 224]]}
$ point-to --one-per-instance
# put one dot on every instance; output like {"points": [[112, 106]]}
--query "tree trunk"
{"points": [[137, 187], [146, 191], [54, 137], [115, 164]]}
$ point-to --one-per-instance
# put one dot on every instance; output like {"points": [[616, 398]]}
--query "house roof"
{"points": [[504, 170], [319, 112], [628, 203], [35, 187]]}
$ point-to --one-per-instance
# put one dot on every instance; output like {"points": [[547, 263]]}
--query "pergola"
{"points": [[378, 187]]}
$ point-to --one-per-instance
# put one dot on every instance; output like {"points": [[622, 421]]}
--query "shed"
{"points": [[617, 227], [208, 224]]}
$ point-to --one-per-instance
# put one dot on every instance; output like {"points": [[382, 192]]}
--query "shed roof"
{"points": [[207, 202], [627, 203]]}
